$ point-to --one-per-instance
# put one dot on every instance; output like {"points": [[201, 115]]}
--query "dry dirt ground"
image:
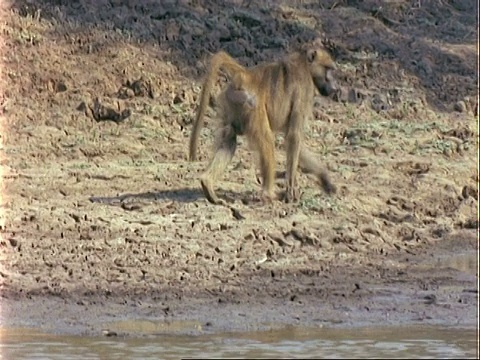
{"points": [[103, 218]]}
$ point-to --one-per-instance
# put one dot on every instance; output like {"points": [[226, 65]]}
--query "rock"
{"points": [[109, 333], [13, 242], [355, 96], [60, 87], [460, 106], [469, 191], [105, 113], [56, 86], [177, 99], [342, 95], [141, 87], [125, 93], [380, 102], [247, 18], [425, 66]]}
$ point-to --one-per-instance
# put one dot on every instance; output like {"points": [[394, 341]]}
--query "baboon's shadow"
{"points": [[184, 195]]}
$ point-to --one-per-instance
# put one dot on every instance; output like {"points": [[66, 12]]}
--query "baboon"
{"points": [[259, 102], [238, 95]]}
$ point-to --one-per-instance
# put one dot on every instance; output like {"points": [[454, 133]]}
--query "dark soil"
{"points": [[103, 217]]}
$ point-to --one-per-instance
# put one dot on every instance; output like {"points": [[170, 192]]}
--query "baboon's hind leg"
{"points": [[224, 151], [309, 164]]}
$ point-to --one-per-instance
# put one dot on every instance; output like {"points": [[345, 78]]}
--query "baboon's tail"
{"points": [[219, 60]]}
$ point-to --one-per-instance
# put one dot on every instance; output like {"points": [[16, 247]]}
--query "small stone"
{"points": [[109, 333], [355, 96], [342, 95], [177, 99], [460, 106], [469, 191]]}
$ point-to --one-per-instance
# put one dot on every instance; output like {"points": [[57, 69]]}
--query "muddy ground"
{"points": [[103, 218]]}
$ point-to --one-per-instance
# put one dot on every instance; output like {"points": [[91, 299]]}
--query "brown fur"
{"points": [[260, 101], [239, 94]]}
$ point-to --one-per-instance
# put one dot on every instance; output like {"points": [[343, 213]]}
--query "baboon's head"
{"points": [[321, 68]]}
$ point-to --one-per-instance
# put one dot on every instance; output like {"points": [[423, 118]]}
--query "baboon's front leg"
{"points": [[293, 140], [264, 141]]}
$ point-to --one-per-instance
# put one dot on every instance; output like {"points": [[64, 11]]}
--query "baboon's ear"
{"points": [[311, 55]]}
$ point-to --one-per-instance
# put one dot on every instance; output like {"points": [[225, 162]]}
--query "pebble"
{"points": [[460, 106]]}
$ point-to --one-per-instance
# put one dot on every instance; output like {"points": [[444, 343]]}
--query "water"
{"points": [[291, 342], [157, 340]]}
